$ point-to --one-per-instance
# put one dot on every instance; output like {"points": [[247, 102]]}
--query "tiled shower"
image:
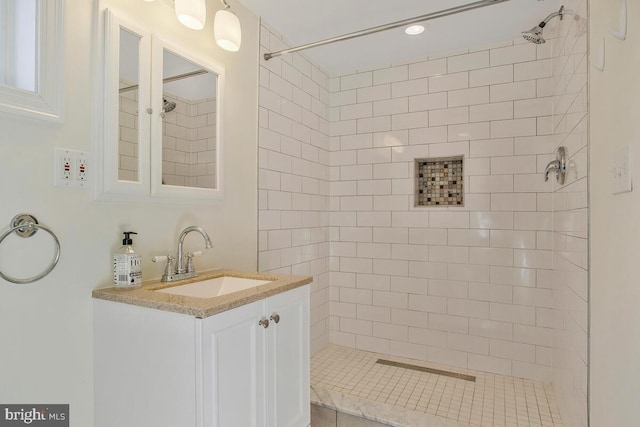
{"points": [[497, 284]]}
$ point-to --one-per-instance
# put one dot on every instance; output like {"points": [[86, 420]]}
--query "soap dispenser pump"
{"points": [[127, 265]]}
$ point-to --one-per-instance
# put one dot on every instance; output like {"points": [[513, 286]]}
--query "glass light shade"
{"points": [[191, 13], [227, 31]]}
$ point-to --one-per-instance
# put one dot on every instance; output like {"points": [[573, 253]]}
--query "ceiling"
{"points": [[304, 21]]}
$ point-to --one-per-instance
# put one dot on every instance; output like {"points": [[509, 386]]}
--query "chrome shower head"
{"points": [[534, 35], [167, 106]]}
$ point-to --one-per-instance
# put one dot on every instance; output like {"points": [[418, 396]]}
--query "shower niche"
{"points": [[439, 182], [162, 134]]}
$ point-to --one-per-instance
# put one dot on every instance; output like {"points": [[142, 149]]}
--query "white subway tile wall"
{"points": [[453, 285], [128, 134], [294, 182], [567, 312]]}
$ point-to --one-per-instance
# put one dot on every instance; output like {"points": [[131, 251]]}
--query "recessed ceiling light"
{"points": [[414, 30]]}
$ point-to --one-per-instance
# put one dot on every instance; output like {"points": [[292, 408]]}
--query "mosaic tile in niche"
{"points": [[439, 181]]}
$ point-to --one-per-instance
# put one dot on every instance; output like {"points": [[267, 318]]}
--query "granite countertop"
{"points": [[202, 307]]}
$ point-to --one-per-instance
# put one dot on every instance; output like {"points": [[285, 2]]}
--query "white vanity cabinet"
{"points": [[157, 368]]}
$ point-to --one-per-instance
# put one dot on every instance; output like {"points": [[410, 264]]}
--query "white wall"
{"points": [[46, 327], [615, 228], [294, 174], [464, 286]]}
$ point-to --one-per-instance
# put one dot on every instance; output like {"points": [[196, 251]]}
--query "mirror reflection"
{"points": [[188, 124], [128, 120]]}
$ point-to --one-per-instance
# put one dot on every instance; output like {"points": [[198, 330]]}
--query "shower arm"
{"points": [[397, 24], [559, 13]]}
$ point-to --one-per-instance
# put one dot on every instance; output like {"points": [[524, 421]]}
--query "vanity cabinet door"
{"points": [[288, 359], [233, 368]]}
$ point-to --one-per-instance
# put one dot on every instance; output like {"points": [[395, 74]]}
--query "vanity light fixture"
{"points": [[191, 13], [226, 29], [226, 25], [414, 30]]}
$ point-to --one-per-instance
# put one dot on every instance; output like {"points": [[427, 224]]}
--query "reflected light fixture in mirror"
{"points": [[191, 13], [226, 29]]}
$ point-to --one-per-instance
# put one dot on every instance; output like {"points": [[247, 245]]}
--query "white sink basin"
{"points": [[213, 287]]}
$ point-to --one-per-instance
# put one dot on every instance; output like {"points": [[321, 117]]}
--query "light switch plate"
{"points": [[620, 171]]}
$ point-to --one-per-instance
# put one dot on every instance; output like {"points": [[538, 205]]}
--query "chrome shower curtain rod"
{"points": [[373, 30]]}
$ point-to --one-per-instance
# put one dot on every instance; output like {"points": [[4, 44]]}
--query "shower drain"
{"points": [[428, 370]]}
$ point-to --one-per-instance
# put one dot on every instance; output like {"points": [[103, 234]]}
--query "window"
{"points": [[18, 39], [31, 58]]}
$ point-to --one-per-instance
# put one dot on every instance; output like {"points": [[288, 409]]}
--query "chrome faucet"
{"points": [[183, 270], [180, 267], [559, 165]]}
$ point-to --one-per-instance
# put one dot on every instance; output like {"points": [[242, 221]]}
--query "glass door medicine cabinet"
{"points": [[162, 129]]}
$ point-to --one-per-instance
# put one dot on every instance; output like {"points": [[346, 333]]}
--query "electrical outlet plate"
{"points": [[70, 168]]}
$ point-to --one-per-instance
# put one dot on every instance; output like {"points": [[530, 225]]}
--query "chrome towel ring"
{"points": [[25, 226]]}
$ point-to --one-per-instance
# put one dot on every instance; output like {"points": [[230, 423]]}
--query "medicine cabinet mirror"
{"points": [[162, 118]]}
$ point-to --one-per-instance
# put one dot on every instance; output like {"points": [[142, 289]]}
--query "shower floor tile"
{"points": [[492, 400]]}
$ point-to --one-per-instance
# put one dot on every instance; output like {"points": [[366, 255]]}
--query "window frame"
{"points": [[46, 102]]}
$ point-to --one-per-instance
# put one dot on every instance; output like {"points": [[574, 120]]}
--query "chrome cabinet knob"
{"points": [[264, 323], [275, 317]]}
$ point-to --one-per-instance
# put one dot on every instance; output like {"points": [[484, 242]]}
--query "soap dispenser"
{"points": [[127, 265]]}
